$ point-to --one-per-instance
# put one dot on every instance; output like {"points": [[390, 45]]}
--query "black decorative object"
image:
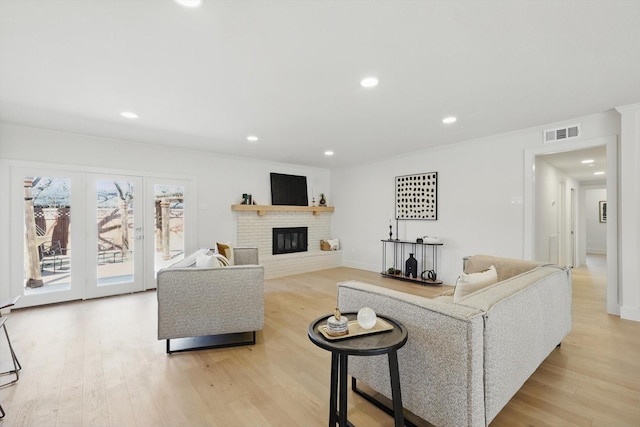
{"points": [[390, 231], [430, 275], [417, 196], [411, 267]]}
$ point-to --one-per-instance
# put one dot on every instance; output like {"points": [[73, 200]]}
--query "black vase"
{"points": [[411, 267]]}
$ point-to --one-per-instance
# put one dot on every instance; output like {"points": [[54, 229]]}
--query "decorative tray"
{"points": [[355, 330]]}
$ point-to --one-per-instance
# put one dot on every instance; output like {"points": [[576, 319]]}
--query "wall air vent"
{"points": [[561, 134]]}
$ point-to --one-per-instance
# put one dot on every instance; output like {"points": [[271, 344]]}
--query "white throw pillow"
{"points": [[222, 260], [207, 261], [469, 283], [190, 260], [334, 244]]}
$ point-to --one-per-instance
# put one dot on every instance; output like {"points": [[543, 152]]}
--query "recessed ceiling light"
{"points": [[587, 161], [369, 82], [449, 120], [328, 153], [599, 173], [189, 3], [252, 138], [129, 115]]}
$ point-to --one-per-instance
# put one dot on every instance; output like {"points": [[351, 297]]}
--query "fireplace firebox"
{"points": [[289, 240]]}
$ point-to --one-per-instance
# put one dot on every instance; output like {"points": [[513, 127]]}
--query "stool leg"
{"points": [[396, 394], [14, 358]]}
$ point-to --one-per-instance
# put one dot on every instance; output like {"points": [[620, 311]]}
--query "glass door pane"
{"points": [[44, 208], [47, 234], [169, 214], [169, 224], [115, 225], [115, 234]]}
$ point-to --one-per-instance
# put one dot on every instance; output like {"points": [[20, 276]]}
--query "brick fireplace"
{"points": [[254, 227]]}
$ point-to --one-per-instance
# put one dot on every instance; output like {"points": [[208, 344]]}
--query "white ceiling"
{"points": [[289, 71], [570, 162]]}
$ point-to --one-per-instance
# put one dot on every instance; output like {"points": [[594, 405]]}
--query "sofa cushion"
{"points": [[505, 267], [468, 283]]}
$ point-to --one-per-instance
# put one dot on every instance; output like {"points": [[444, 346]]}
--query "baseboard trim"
{"points": [[630, 313]]}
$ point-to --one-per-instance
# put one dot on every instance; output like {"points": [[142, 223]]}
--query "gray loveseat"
{"points": [[464, 361], [205, 302]]}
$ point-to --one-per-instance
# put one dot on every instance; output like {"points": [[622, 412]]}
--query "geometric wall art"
{"points": [[417, 196]]}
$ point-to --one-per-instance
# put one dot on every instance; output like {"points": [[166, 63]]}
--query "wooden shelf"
{"points": [[262, 209], [412, 279]]}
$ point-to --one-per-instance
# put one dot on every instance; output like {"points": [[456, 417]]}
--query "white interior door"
{"points": [[114, 236]]}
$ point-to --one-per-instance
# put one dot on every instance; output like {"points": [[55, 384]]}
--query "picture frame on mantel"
{"points": [[416, 196], [602, 209]]}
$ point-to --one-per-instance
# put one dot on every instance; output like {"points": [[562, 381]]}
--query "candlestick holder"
{"points": [[390, 231]]}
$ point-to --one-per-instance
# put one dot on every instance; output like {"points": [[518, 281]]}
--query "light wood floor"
{"points": [[98, 363]]}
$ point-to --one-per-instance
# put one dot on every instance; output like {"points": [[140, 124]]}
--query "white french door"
{"points": [[170, 215], [114, 249], [47, 235], [80, 234]]}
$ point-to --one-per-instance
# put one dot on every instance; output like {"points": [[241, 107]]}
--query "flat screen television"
{"points": [[289, 190]]}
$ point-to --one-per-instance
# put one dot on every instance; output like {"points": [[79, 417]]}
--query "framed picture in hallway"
{"points": [[603, 210]]}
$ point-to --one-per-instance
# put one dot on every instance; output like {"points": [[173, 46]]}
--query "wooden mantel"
{"points": [[262, 209]]}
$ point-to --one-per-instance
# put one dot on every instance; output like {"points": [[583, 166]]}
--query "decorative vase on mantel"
{"points": [[323, 201], [411, 267]]}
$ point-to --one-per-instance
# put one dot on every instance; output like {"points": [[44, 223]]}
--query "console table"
{"points": [[400, 250]]}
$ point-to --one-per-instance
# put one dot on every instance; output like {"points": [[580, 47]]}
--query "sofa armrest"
{"points": [[441, 365], [526, 317], [209, 301]]}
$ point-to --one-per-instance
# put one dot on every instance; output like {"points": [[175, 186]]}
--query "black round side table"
{"points": [[387, 342]]}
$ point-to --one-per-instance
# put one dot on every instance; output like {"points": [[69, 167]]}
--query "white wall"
{"points": [[478, 181], [596, 231], [552, 238], [547, 206], [221, 180], [629, 218], [479, 185]]}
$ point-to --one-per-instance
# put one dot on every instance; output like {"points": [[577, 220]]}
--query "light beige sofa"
{"points": [[464, 361], [205, 302]]}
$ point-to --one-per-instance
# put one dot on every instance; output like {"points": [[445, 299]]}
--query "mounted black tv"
{"points": [[289, 190]]}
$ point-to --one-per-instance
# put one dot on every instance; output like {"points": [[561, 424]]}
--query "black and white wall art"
{"points": [[417, 196]]}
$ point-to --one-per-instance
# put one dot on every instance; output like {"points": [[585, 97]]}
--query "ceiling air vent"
{"points": [[561, 134]]}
